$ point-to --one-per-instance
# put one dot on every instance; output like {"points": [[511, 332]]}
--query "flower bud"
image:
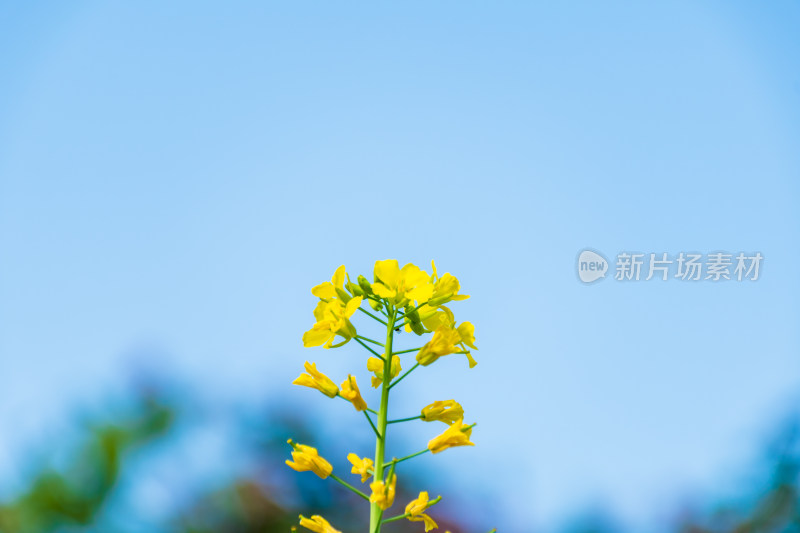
{"points": [[364, 284]]}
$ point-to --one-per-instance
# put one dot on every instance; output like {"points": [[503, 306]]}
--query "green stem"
{"points": [[371, 423], [410, 311], [381, 311], [404, 375], [369, 340], [373, 316], [373, 411], [392, 519], [349, 486], [404, 419], [375, 512], [406, 351], [407, 457], [376, 354]]}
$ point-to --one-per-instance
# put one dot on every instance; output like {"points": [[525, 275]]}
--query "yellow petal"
{"points": [[317, 336], [472, 361], [467, 333], [324, 290], [338, 277], [388, 272], [353, 305], [382, 291]]}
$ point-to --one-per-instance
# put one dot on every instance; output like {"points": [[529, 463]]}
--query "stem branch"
{"points": [[349, 486], [404, 375]]}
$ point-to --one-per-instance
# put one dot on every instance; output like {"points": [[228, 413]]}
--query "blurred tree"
{"points": [[74, 496]]}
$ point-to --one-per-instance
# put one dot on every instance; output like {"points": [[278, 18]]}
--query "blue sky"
{"points": [[174, 179]]}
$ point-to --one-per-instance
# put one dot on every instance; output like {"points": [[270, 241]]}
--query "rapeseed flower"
{"points": [[445, 288], [375, 365], [351, 393], [333, 318], [447, 411], [383, 494], [307, 459], [362, 467], [447, 340], [317, 524], [416, 511], [456, 435], [317, 380], [333, 288], [400, 286]]}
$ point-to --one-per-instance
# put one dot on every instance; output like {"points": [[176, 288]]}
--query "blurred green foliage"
{"points": [[80, 496], [73, 497]]}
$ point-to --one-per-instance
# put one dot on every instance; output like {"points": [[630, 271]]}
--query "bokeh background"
{"points": [[174, 177]]}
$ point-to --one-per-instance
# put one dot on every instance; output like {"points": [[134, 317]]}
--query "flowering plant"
{"points": [[407, 299]]}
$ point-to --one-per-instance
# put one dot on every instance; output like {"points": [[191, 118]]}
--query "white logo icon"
{"points": [[591, 266]]}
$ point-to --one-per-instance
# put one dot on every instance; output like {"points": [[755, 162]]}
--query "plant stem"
{"points": [[411, 311], [392, 519], [404, 375], [371, 423], [373, 316], [349, 486], [376, 354], [407, 457], [376, 513], [406, 351], [369, 340], [404, 419], [373, 411]]}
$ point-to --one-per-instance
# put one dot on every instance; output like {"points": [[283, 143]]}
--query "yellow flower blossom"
{"points": [[447, 340], [399, 286], [456, 435], [317, 380], [350, 392], [328, 289], [361, 466], [376, 365], [426, 318], [445, 288], [447, 411], [467, 333], [306, 458], [382, 494], [416, 511], [317, 524], [333, 318]]}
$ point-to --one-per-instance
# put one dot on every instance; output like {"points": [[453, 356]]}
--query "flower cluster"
{"points": [[400, 299]]}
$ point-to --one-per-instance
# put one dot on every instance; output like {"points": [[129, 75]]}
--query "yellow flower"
{"points": [[333, 318], [447, 340], [400, 286], [444, 341], [447, 411], [445, 288], [306, 458], [350, 392], [361, 466], [376, 365], [456, 435], [317, 524], [317, 380], [327, 290], [416, 510], [382, 494], [467, 333]]}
